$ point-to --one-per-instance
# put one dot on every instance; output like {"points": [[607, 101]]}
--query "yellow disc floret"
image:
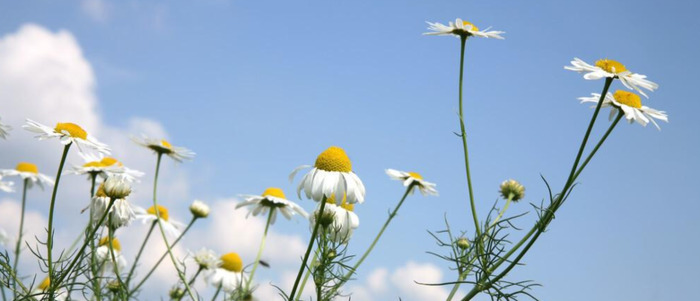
{"points": [[232, 262], [27, 167], [334, 159], [474, 28], [415, 175], [101, 191], [628, 98], [73, 130], [115, 243], [109, 161], [45, 284], [611, 66], [162, 211], [344, 204], [165, 143], [275, 192], [93, 164]]}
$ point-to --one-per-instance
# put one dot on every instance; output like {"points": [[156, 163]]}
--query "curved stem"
{"points": [[311, 245], [49, 241], [500, 214], [19, 235], [218, 290], [595, 149], [138, 255], [262, 245]]}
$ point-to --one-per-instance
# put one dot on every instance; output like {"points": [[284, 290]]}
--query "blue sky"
{"points": [[259, 88]]}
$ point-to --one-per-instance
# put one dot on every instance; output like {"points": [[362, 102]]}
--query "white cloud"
{"points": [[97, 10], [380, 285]]}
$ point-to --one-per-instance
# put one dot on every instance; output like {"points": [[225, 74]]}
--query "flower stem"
{"points": [[138, 255], [114, 257], [262, 245], [595, 149], [306, 276], [49, 241], [218, 290], [308, 249], [505, 207], [19, 235]]}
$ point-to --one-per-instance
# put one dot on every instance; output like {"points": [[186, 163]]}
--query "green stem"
{"points": [[115, 263], [138, 255], [49, 241], [595, 149], [218, 290], [19, 236], [306, 276], [456, 286], [500, 214], [262, 245], [311, 244]]}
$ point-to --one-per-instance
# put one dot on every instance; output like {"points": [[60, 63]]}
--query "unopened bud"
{"points": [[463, 243], [199, 209], [176, 293], [117, 187], [114, 286], [512, 189]]}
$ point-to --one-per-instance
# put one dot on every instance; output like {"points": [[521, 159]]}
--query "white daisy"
{"points": [[39, 292], [162, 146], [6, 186], [408, 178], [121, 214], [462, 28], [331, 175], [105, 167], [104, 257], [613, 69], [67, 133], [229, 275], [341, 220], [148, 216], [28, 171], [206, 259], [271, 199], [4, 129], [631, 106]]}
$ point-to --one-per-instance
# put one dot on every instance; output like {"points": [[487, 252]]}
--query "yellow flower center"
{"points": [[232, 262], [610, 66], [109, 161], [275, 192], [415, 175], [474, 28], [45, 284], [334, 159], [165, 143], [115, 243], [344, 204], [628, 98], [27, 167], [101, 191], [94, 164], [73, 130], [162, 211]]}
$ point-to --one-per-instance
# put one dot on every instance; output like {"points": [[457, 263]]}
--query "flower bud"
{"points": [[199, 209], [114, 286], [117, 187], [331, 255], [176, 293], [512, 189], [463, 243]]}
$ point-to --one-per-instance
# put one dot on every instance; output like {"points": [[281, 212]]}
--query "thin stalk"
{"points": [[138, 255], [460, 278], [306, 276], [505, 207], [218, 290], [114, 257], [191, 282], [18, 247], [595, 149], [49, 241], [262, 245], [311, 245]]}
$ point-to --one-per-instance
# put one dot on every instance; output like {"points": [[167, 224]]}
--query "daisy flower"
{"points": [[121, 214], [4, 129], [408, 178], [340, 220], [206, 259], [631, 106], [104, 167], [271, 199], [229, 275], [39, 292], [331, 175], [199, 209], [105, 257], [162, 146], [66, 133], [613, 69], [6, 186], [148, 216], [462, 28], [28, 171]]}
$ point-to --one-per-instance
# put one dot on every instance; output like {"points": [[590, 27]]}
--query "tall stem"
{"points": [[18, 247], [262, 245], [49, 241], [311, 245], [138, 255], [306, 276], [115, 263]]}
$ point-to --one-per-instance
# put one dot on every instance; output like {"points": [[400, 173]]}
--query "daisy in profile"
{"points": [[631, 106], [67, 133], [29, 172], [460, 28], [206, 259], [613, 69], [272, 199], [339, 220], [408, 178], [121, 214], [162, 146], [4, 130], [148, 216], [228, 275], [104, 167], [104, 257], [39, 293], [6, 186], [331, 175]]}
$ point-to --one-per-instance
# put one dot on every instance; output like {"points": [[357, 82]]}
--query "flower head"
{"points": [[117, 187], [162, 146], [67, 133], [463, 243], [613, 69], [461, 28], [170, 226], [631, 106], [272, 199], [199, 209], [331, 175], [229, 275], [105, 167], [340, 221], [408, 178], [120, 214], [207, 259], [104, 255], [511, 189], [4, 129], [39, 292], [30, 172]]}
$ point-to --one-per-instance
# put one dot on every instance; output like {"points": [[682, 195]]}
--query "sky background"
{"points": [[257, 88]]}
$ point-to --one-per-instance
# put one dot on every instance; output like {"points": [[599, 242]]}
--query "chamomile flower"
{"points": [[6, 186], [460, 28], [148, 216], [104, 167], [340, 220], [121, 214], [28, 171], [229, 275], [207, 259], [331, 175], [631, 106], [613, 69], [4, 129], [104, 257], [66, 133], [408, 178], [271, 199], [162, 146], [39, 293]]}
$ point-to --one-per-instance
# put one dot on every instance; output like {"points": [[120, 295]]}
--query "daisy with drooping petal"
{"points": [[121, 214], [148, 216], [162, 146], [67, 133], [28, 171], [461, 28], [206, 259], [272, 198], [229, 275], [613, 69], [631, 106], [331, 175], [6, 186], [105, 167], [104, 257], [39, 293], [408, 178], [340, 220], [4, 129]]}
